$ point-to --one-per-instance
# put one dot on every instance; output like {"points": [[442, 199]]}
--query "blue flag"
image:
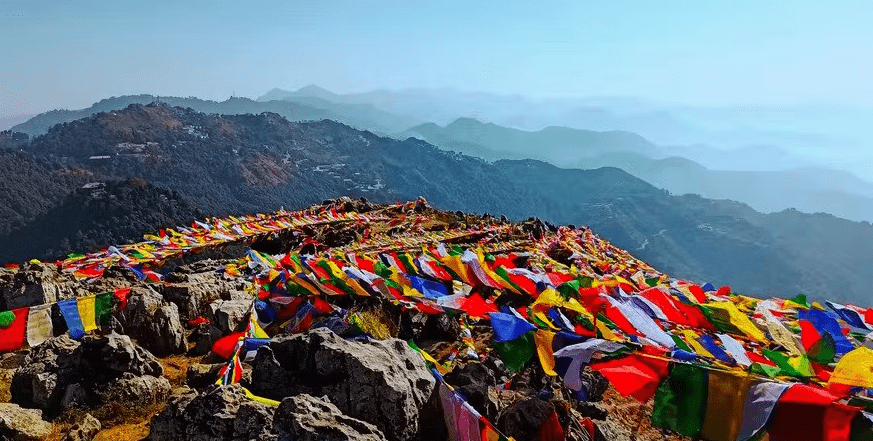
{"points": [[823, 322], [70, 311], [508, 327]]}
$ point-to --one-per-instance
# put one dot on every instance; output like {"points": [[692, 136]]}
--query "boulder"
{"points": [[382, 382], [223, 413], [229, 315], [200, 376], [84, 430], [194, 287], [522, 419], [306, 418], [63, 372], [143, 390], [17, 423], [154, 322], [36, 284], [473, 380]]}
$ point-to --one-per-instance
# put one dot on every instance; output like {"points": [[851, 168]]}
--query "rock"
{"points": [[85, 430], [385, 383], [595, 383], [194, 287], [36, 284], [473, 380], [154, 322], [22, 424], [220, 413], [200, 376], [143, 390], [203, 336], [306, 418], [35, 382], [522, 419], [63, 372], [228, 315]]}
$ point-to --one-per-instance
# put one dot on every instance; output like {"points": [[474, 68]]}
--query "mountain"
{"points": [[752, 137], [222, 164], [559, 145], [806, 189]]}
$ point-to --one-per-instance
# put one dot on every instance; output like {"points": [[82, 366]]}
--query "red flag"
{"points": [[476, 306], [636, 375], [811, 414], [12, 336]]}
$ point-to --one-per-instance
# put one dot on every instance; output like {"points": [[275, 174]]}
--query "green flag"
{"points": [[516, 353], [680, 402], [103, 307]]}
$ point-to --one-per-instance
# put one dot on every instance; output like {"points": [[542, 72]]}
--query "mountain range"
{"points": [[740, 174], [192, 164]]}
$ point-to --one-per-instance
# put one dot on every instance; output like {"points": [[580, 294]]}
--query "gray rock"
{"points": [[154, 322], [36, 284], [63, 372], [220, 413], [228, 315], [84, 430], [200, 376], [143, 390], [523, 418], [194, 287], [385, 383], [22, 424], [306, 418]]}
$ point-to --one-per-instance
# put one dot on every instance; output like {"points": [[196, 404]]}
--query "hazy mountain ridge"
{"points": [[245, 163], [807, 189]]}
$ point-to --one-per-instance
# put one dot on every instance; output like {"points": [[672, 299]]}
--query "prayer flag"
{"points": [[680, 402], [12, 329]]}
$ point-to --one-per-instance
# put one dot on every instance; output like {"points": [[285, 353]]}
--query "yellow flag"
{"points": [[855, 368], [724, 405], [543, 339], [691, 339], [86, 312], [728, 312]]}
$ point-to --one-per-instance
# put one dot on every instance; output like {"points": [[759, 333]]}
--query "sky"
{"points": [[71, 54]]}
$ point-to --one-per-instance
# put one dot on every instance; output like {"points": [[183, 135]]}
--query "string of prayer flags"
{"points": [[12, 329], [39, 325], [70, 312]]}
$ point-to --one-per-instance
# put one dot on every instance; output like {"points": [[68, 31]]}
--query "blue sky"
{"points": [[73, 53]]}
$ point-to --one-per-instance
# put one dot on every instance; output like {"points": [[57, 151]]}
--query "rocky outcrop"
{"points": [[22, 424], [473, 380], [36, 284], [153, 322], [228, 315], [306, 418], [63, 372], [194, 287], [384, 383], [84, 430], [223, 413], [523, 418]]}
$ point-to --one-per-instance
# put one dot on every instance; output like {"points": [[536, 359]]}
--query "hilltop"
{"points": [[224, 164]]}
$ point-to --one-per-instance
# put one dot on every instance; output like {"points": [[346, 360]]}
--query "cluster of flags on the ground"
{"points": [[35, 324], [564, 302], [691, 348]]}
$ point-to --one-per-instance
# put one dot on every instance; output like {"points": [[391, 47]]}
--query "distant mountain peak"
{"points": [[313, 90]]}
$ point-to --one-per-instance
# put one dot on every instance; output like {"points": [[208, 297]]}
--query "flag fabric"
{"points": [[517, 352], [508, 327], [580, 354], [820, 347], [430, 289], [825, 323], [103, 307], [87, 313], [849, 315], [70, 311], [637, 375], [735, 349], [680, 402], [855, 368], [726, 394], [12, 329], [797, 366], [39, 325], [543, 339], [462, 421], [728, 316], [709, 344], [758, 407], [643, 323], [551, 429], [808, 413]]}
